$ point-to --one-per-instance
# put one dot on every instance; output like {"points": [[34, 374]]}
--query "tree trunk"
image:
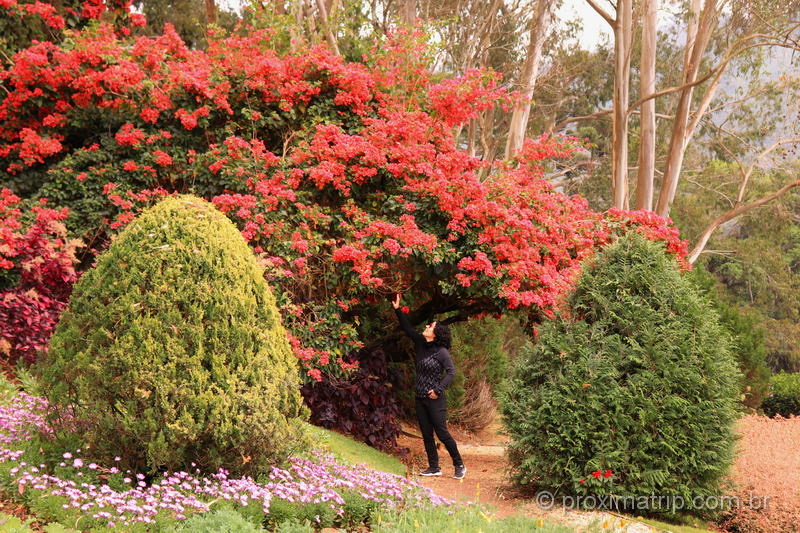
{"points": [[700, 27], [622, 72], [540, 24], [327, 26], [647, 143], [211, 12], [408, 13]]}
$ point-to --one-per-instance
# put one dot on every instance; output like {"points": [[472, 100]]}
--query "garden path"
{"points": [[487, 481]]}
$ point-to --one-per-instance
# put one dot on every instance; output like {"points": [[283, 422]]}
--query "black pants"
{"points": [[432, 417]]}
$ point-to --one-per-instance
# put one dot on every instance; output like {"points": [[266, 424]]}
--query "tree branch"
{"points": [[733, 213], [602, 12], [670, 90], [582, 118]]}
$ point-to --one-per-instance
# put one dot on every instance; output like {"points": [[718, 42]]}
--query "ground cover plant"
{"points": [[630, 392], [73, 489]]}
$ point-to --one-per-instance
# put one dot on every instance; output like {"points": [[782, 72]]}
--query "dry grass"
{"points": [[767, 465], [478, 409]]}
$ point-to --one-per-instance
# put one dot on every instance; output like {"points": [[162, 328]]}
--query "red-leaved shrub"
{"points": [[40, 259]]}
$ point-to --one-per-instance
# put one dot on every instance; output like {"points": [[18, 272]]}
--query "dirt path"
{"points": [[486, 481]]}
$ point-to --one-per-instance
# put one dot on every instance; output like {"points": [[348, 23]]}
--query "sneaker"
{"points": [[461, 471], [431, 472]]}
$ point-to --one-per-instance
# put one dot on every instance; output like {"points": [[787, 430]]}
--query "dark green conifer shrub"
{"points": [[172, 352], [748, 346], [634, 378], [784, 397]]}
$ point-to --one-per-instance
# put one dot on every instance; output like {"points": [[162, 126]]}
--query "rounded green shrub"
{"points": [[172, 352], [630, 392], [784, 397]]}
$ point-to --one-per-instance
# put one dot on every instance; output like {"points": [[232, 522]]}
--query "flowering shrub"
{"points": [[621, 382], [25, 21], [106, 495], [37, 269]]}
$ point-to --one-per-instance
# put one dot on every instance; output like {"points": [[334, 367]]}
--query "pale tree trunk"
{"points": [[540, 24], [701, 25], [647, 144], [408, 13], [623, 30], [622, 77], [325, 21]]}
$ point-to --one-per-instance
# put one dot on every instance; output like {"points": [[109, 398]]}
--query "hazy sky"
{"points": [[594, 27]]}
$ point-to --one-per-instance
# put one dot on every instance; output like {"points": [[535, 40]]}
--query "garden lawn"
{"points": [[350, 451]]}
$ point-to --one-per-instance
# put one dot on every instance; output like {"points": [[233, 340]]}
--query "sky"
{"points": [[594, 27]]}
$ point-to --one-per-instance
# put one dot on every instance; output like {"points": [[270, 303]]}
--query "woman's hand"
{"points": [[432, 395], [396, 301]]}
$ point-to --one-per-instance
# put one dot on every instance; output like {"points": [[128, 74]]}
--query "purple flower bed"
{"points": [[321, 480]]}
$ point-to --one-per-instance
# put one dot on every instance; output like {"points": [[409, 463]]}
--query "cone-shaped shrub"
{"points": [[172, 352], [631, 392]]}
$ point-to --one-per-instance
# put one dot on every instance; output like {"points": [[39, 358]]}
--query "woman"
{"points": [[435, 371]]}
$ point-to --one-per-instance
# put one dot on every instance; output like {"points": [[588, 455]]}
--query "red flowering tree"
{"points": [[344, 177], [25, 21]]}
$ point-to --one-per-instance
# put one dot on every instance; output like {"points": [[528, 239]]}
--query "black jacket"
{"points": [[435, 370]]}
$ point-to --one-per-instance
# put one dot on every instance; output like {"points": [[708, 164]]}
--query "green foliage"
{"points": [[224, 520], [482, 349], [747, 340], [27, 380], [319, 514], [55, 527], [357, 510], [294, 526], [637, 379], [12, 524], [784, 399], [172, 352], [756, 259], [466, 519]]}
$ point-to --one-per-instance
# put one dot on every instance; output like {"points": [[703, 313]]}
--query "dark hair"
{"points": [[442, 335]]}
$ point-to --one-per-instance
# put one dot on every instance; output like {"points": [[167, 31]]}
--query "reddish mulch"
{"points": [[767, 466]]}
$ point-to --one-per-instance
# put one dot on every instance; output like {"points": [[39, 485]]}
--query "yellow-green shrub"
{"points": [[172, 352]]}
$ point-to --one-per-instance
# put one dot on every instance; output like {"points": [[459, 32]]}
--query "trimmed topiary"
{"points": [[632, 392], [172, 352]]}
